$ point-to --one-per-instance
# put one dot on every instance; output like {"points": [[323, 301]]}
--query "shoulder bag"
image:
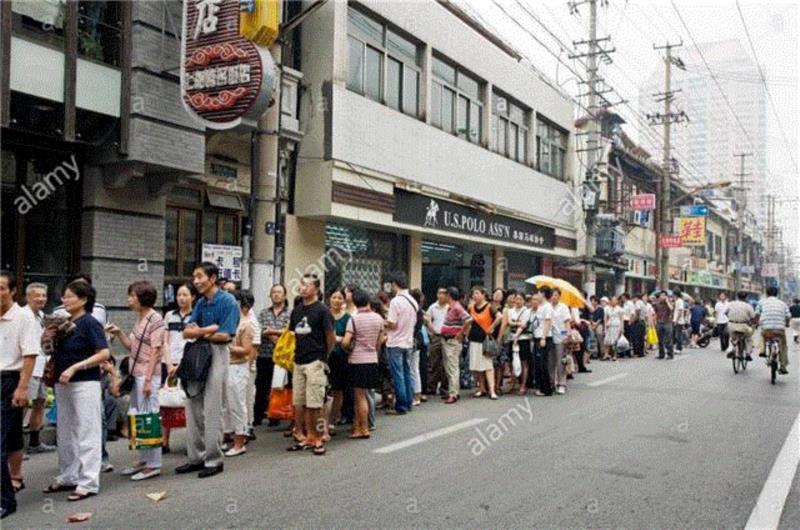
{"points": [[195, 365]]}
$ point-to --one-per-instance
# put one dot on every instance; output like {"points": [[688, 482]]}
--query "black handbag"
{"points": [[195, 365], [126, 386]]}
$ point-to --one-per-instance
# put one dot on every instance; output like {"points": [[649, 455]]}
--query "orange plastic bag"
{"points": [[281, 406]]}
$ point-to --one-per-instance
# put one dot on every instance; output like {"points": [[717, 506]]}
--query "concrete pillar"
{"points": [[415, 260], [425, 84], [305, 253], [486, 119]]}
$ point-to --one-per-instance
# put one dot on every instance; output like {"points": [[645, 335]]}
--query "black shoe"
{"points": [[211, 471], [670, 357], [660, 357], [273, 423], [584, 371], [748, 358], [762, 354], [189, 467], [251, 435], [165, 450], [730, 355], [5, 512], [783, 371]]}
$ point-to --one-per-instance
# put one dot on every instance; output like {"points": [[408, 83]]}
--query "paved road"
{"points": [[638, 443]]}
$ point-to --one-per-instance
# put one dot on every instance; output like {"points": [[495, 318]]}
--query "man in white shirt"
{"points": [[542, 325], [562, 323], [678, 320], [721, 314], [36, 296], [19, 348], [434, 319], [400, 324]]}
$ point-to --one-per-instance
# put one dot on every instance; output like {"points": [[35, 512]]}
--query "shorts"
{"points": [[36, 389], [309, 382], [364, 375], [695, 328], [338, 378]]}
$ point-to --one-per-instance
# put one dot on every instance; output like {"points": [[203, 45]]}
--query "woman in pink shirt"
{"points": [[146, 344], [365, 334]]}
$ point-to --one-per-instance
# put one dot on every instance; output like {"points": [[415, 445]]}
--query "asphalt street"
{"points": [[640, 443]]}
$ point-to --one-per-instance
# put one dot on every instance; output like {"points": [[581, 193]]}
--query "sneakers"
{"points": [[416, 403], [145, 474], [235, 452], [106, 467], [560, 390], [41, 448]]}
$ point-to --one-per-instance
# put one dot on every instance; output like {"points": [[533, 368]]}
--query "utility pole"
{"points": [[267, 163], [667, 119], [593, 134], [740, 215]]}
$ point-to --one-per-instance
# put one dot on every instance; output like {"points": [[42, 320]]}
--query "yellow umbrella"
{"points": [[570, 295]]}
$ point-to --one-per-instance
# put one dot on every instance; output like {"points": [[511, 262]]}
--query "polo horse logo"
{"points": [[430, 215]]}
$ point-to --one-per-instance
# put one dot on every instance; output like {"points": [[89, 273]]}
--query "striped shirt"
{"points": [[773, 313], [366, 326]]}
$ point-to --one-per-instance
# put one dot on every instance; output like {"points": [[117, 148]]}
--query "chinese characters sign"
{"points": [[670, 242], [224, 77], [692, 231], [228, 258], [643, 201]]}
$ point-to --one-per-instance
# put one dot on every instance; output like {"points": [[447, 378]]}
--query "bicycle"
{"points": [[739, 358], [773, 348]]}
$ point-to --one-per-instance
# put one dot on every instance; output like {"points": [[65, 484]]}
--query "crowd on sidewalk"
{"points": [[354, 353]]}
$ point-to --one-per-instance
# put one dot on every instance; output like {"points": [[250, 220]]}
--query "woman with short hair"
{"points": [[146, 345], [482, 325], [77, 359], [365, 334]]}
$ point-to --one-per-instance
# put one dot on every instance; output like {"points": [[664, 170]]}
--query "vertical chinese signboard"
{"points": [[225, 78], [692, 231]]}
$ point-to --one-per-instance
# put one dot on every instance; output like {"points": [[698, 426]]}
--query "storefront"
{"points": [[357, 255], [446, 264]]}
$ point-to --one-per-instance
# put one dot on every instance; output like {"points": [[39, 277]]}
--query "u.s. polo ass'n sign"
{"points": [[225, 78]]}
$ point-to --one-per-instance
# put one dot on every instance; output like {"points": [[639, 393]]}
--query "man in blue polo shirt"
{"points": [[214, 318]]}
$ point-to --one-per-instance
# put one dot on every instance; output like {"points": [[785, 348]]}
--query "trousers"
{"points": [[204, 411]]}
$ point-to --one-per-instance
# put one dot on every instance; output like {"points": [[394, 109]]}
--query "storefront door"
{"points": [[447, 264]]}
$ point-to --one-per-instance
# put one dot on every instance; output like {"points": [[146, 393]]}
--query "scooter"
{"points": [[706, 332]]}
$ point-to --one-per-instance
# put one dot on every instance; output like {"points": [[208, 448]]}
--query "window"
{"points": [[509, 127], [382, 64], [456, 105], [551, 146], [190, 222]]}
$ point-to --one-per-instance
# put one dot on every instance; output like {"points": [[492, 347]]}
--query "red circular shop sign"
{"points": [[224, 77]]}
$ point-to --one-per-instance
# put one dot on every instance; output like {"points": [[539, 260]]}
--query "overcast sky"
{"points": [[635, 25]]}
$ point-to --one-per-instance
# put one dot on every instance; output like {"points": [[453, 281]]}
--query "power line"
{"points": [[763, 80]]}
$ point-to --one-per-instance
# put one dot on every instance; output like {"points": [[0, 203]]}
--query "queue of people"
{"points": [[355, 353]]}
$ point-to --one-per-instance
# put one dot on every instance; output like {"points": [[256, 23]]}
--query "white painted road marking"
{"points": [[428, 436], [608, 379], [770, 504]]}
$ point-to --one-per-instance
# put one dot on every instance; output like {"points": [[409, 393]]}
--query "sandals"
{"points": [[479, 394], [17, 484], [55, 487], [359, 435], [320, 450], [76, 496], [297, 447]]}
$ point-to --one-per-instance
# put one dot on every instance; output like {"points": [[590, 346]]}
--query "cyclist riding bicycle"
{"points": [[740, 319], [773, 316]]}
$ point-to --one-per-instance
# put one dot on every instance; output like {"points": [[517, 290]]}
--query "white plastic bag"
{"points": [[623, 344], [280, 377], [516, 364], [171, 396]]}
